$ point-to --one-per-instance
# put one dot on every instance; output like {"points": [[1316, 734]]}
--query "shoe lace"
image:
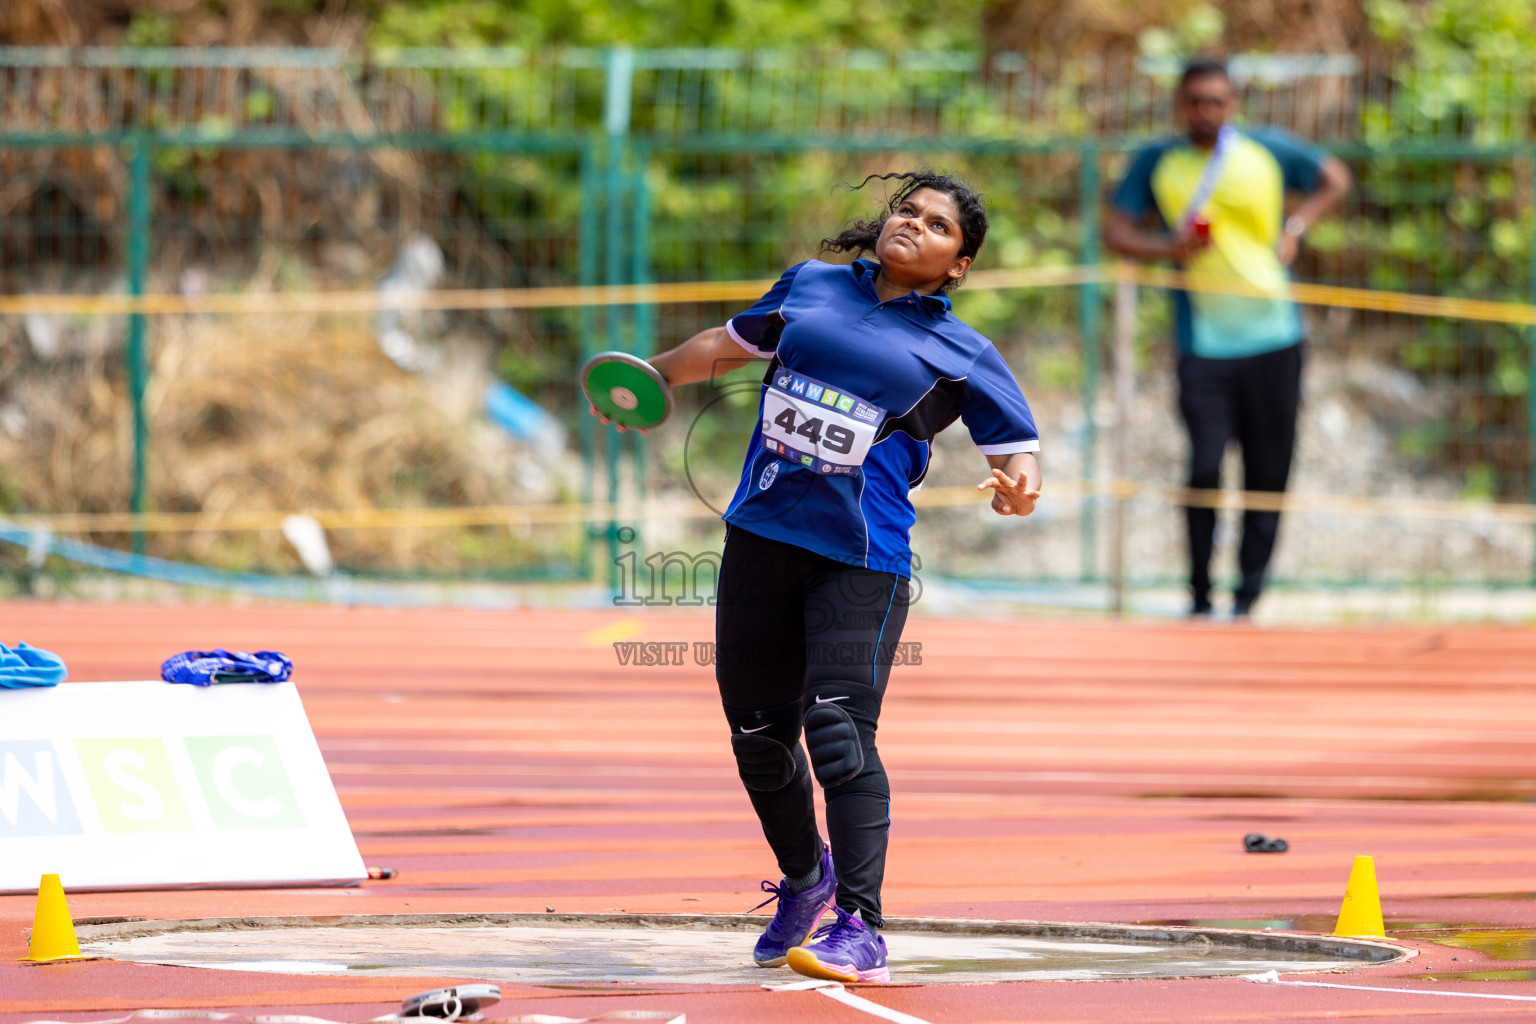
{"points": [[838, 932], [779, 892]]}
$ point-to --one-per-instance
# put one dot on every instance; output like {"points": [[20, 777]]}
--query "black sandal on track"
{"points": [[1255, 842]]}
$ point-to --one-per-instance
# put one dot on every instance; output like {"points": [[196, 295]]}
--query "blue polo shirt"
{"points": [[855, 392]]}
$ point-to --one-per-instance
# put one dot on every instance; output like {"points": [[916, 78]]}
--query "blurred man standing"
{"points": [[1212, 200]]}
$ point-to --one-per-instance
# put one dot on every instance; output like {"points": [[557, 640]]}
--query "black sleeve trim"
{"points": [[937, 409]]}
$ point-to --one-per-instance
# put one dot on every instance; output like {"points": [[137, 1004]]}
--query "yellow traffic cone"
{"points": [[53, 931], [1360, 914]]}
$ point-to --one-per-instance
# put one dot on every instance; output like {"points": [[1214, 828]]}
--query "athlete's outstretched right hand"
{"points": [[1010, 496]]}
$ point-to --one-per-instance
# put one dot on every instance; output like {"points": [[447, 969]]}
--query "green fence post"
{"points": [[619, 67], [645, 314], [586, 275], [136, 355], [1088, 317], [1530, 388]]}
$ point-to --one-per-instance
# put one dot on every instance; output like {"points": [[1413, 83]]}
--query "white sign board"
{"points": [[158, 786]]}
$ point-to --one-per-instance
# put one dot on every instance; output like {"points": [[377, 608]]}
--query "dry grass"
{"points": [[264, 413]]}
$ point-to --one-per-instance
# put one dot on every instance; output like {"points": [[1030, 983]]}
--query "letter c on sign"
{"points": [[223, 771], [151, 805]]}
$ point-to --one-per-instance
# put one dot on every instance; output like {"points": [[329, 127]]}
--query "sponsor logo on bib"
{"points": [[817, 426]]}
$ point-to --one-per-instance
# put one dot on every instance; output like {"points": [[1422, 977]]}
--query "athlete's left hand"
{"points": [[1010, 496]]}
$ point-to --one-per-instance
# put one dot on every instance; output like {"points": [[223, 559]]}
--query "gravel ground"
{"points": [[1352, 415]]}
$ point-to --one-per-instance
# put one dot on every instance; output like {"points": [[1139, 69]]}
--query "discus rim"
{"points": [[628, 418]]}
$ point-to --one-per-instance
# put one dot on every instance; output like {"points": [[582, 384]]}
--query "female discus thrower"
{"points": [[867, 364]]}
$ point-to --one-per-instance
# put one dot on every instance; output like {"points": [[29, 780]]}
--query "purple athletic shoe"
{"points": [[845, 950], [796, 917]]}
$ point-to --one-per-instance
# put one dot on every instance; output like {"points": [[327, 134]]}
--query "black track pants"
{"points": [[788, 619], [1254, 401]]}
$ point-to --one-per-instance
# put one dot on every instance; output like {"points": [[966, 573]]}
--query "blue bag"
{"points": [[25, 665], [204, 668]]}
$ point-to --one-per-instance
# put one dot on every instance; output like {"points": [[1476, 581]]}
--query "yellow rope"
{"points": [[1520, 313], [372, 301], [744, 291], [1259, 501], [687, 508]]}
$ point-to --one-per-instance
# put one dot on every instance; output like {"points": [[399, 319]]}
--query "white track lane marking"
{"points": [[835, 990], [659, 1016], [1273, 978]]}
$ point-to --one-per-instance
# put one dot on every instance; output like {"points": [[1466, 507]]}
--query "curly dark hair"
{"points": [[861, 235]]}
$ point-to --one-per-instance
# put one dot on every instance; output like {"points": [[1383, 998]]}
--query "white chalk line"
{"points": [[835, 990], [1273, 978], [659, 1016]]}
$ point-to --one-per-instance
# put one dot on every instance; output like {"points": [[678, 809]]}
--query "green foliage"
{"points": [[749, 24], [259, 104], [1468, 68], [1487, 29], [1057, 368], [11, 497], [1464, 70], [1482, 481], [1187, 28], [151, 29]]}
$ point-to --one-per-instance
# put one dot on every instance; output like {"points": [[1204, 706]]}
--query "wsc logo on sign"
{"points": [[140, 785], [132, 785], [34, 800]]}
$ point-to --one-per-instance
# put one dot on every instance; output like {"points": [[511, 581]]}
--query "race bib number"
{"points": [[826, 430]]}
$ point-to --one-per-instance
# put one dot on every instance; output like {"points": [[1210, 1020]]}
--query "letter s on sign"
{"points": [[151, 805]]}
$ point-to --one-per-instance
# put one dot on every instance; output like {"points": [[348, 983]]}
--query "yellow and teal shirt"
{"points": [[1245, 210]]}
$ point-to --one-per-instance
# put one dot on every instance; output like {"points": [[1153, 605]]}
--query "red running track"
{"points": [[507, 762]]}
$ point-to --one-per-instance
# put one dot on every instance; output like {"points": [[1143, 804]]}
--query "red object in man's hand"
{"points": [[1202, 229]]}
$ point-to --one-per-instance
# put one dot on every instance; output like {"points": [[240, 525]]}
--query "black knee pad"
{"points": [[840, 721], [833, 738], [765, 743]]}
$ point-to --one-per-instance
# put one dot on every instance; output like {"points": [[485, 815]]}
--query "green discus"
{"points": [[626, 389]]}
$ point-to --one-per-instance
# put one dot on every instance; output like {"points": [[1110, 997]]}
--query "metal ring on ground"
{"points": [[709, 949]]}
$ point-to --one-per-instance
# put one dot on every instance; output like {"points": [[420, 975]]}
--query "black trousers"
{"points": [[1254, 401], [790, 623]]}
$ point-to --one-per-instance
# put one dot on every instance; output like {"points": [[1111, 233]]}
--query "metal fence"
{"points": [[273, 171]]}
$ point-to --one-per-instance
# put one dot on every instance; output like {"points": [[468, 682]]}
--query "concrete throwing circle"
{"points": [[661, 949]]}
